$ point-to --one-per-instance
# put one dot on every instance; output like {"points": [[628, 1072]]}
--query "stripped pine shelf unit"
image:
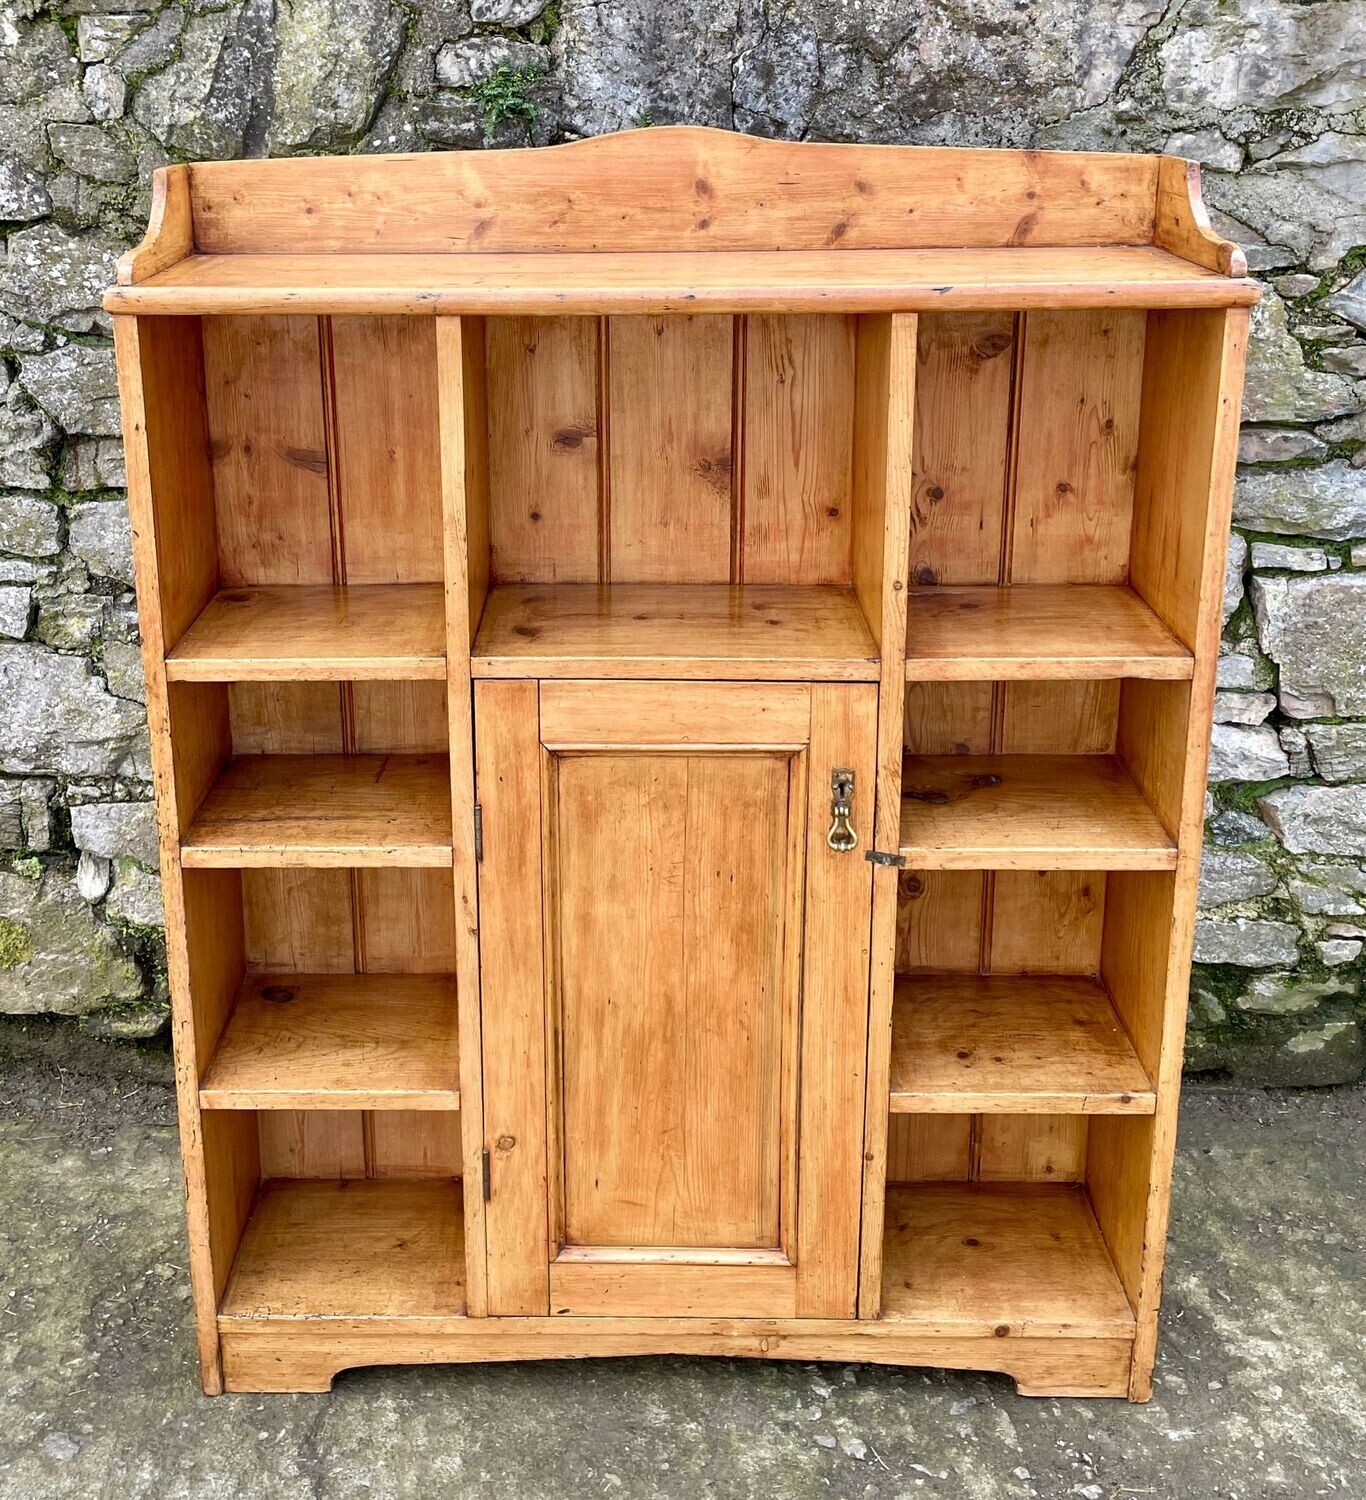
{"points": [[655, 566]]}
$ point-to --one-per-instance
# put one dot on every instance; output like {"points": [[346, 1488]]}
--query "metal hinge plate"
{"points": [[893, 861], [478, 832], [488, 1177]]}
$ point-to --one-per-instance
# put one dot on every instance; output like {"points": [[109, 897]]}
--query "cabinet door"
{"points": [[674, 968]]}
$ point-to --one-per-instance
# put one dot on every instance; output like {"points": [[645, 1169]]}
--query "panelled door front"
{"points": [[674, 966]]}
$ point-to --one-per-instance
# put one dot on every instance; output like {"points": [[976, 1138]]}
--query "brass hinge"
{"points": [[488, 1181], [893, 861], [478, 832]]}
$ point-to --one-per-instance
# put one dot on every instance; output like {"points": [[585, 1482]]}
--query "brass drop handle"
{"points": [[841, 837]]}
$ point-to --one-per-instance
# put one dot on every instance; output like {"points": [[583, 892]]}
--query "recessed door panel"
{"points": [[673, 877]]}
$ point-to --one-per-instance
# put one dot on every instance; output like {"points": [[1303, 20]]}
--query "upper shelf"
{"points": [[723, 281], [680, 219]]}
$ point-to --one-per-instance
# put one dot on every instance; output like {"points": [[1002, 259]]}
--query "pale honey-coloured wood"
{"points": [[1040, 631], [324, 810], [1010, 1261], [365, 1041], [677, 715], [1032, 812], [758, 632], [350, 1249], [313, 633], [966, 1044], [664, 283]]}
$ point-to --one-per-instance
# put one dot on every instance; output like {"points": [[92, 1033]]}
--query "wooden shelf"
{"points": [[661, 281], [1025, 1258], [713, 631], [338, 1041], [1027, 812], [324, 810], [350, 1249], [1041, 1044], [390, 631], [1040, 632]]}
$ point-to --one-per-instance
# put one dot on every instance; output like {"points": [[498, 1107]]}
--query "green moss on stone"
{"points": [[16, 944]]}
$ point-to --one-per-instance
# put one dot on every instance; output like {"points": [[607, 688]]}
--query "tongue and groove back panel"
{"points": [[1026, 449], [324, 445]]}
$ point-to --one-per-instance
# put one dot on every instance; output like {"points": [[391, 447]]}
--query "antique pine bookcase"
{"points": [[680, 670]]}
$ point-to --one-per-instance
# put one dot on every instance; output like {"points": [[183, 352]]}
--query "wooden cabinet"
{"points": [[679, 710]]}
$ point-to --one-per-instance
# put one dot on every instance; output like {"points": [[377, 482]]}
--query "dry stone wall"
{"points": [[1269, 94]]}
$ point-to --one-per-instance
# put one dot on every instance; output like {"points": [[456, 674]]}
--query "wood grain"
{"points": [[758, 632], [368, 1041], [966, 1044]]}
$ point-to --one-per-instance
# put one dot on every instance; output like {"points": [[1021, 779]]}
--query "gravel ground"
{"points": [[1261, 1386]]}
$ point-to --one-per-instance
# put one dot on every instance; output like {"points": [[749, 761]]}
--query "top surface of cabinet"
{"points": [[679, 219]]}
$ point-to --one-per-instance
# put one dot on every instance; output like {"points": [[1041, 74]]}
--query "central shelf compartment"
{"points": [[756, 632], [338, 1041], [1001, 1259], [350, 1249], [1040, 1044], [316, 633], [1039, 812], [322, 810]]}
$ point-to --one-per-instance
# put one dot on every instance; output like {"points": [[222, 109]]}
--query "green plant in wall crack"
{"points": [[505, 95]]}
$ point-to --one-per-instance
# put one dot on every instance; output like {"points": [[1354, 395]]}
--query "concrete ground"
{"points": [[1261, 1382]]}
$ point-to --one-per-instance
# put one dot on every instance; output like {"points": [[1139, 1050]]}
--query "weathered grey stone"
{"points": [[1323, 900], [100, 535], [1232, 828], [17, 337], [124, 830], [98, 37], [1314, 629], [1338, 951], [30, 524], [1238, 754], [1296, 559], [1233, 575], [93, 875], [1349, 301], [16, 608], [1317, 819], [1289, 994], [156, 43], [462, 65], [1331, 332], [90, 152], [135, 897], [27, 436], [1242, 708], [1280, 387], [123, 670], [203, 103], [1306, 197], [1347, 361], [1298, 284], [11, 815], [1329, 501], [1339, 750], [1235, 671], [77, 386], [70, 622], [54, 955], [1226, 875], [1296, 749], [23, 194], [1246, 942], [1211, 147], [1274, 55], [93, 464], [35, 797], [105, 93], [1278, 445], [1325, 1055], [333, 58], [506, 12], [58, 278], [56, 716]]}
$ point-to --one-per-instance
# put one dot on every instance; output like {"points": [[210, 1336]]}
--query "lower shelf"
{"points": [[1000, 1259], [350, 1249]]}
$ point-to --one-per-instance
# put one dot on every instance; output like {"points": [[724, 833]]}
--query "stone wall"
{"points": [[1269, 94]]}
